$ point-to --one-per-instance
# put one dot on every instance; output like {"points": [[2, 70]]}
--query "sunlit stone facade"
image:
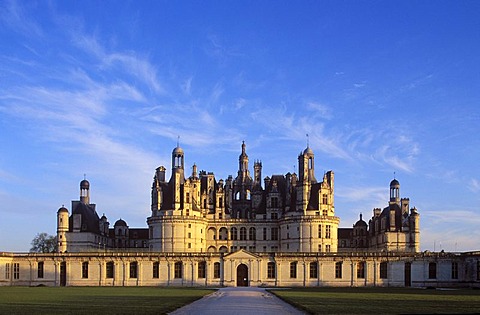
{"points": [[282, 231]]}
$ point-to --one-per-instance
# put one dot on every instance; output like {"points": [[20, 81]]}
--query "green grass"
{"points": [[96, 300], [382, 300]]}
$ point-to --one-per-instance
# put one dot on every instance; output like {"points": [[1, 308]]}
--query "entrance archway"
{"points": [[242, 275]]}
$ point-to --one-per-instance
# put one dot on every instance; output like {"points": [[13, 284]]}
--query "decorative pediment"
{"points": [[242, 254]]}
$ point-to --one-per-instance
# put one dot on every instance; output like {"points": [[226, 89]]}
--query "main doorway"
{"points": [[242, 275]]}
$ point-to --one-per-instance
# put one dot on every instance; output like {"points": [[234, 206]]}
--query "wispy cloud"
{"points": [[474, 185], [128, 62], [14, 16]]}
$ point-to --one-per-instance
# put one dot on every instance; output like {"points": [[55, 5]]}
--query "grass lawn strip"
{"points": [[381, 300], [95, 300]]}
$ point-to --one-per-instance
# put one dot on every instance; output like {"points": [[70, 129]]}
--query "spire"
{"points": [[308, 142]]}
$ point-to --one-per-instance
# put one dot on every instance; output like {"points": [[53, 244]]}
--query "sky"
{"points": [[103, 89]]}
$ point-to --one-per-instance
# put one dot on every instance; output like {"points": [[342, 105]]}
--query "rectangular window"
{"points": [[454, 270], [251, 249], [432, 270], [133, 269], [7, 271], [293, 269], [383, 270], [188, 198], [264, 234], [40, 270], [327, 248], [274, 234], [271, 270], [274, 216], [327, 231], [319, 231], [325, 199], [178, 270], [320, 247], [361, 270], [216, 270], [478, 269], [85, 270], [338, 269], [109, 270], [156, 270], [313, 270], [16, 271], [202, 266]]}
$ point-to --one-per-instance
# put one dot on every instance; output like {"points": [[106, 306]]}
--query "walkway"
{"points": [[240, 300]]}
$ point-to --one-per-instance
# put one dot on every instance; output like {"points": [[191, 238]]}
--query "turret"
{"points": [[257, 168], [394, 191], [85, 192], [62, 229], [178, 176]]}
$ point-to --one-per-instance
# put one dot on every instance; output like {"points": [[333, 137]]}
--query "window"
{"points": [[313, 270], [220, 202], [202, 266], [264, 234], [324, 212], [327, 231], [319, 247], [274, 202], [216, 270], [233, 232], [338, 269], [109, 270], [454, 270], [85, 270], [293, 269], [251, 249], [361, 270], [432, 270], [252, 234], [187, 198], [383, 270], [7, 271], [133, 269], [274, 216], [16, 271], [243, 233], [327, 248], [178, 270], [319, 231], [478, 269], [274, 234], [40, 270], [189, 235], [325, 199], [271, 270], [156, 270]]}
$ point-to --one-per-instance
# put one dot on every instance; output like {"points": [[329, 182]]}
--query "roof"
{"points": [[90, 219]]}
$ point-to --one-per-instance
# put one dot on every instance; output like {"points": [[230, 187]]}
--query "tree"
{"points": [[44, 243]]}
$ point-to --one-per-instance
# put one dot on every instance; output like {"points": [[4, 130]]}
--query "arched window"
{"points": [[237, 196], [233, 232], [249, 195], [243, 233], [252, 234]]}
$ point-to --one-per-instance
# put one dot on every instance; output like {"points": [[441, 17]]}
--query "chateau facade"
{"points": [[239, 232]]}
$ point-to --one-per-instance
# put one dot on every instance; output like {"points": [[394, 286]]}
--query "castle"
{"points": [[289, 213], [241, 232]]}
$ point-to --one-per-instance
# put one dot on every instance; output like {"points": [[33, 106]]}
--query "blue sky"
{"points": [[104, 88]]}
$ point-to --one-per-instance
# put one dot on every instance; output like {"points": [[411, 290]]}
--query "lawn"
{"points": [[95, 300], [382, 300]]}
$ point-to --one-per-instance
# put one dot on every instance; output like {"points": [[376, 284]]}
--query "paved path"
{"points": [[248, 300]]}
